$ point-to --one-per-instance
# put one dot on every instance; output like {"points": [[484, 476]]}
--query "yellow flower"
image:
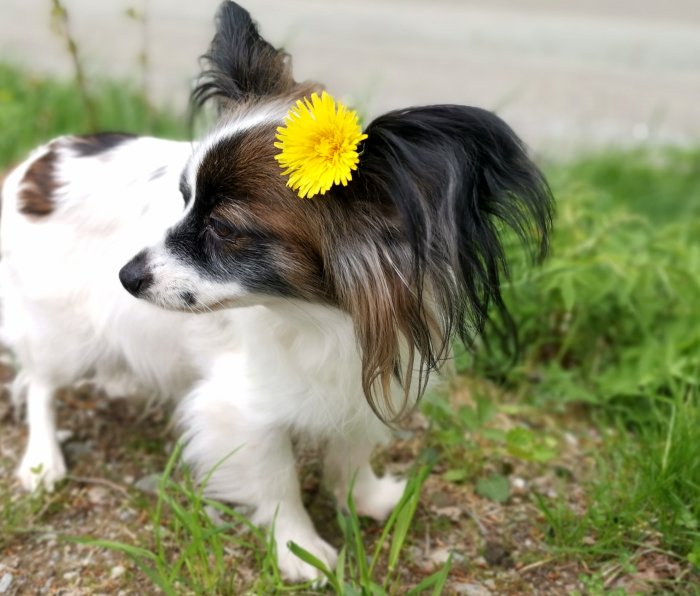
{"points": [[318, 145]]}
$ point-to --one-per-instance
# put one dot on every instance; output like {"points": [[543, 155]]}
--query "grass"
{"points": [[610, 349], [610, 320], [34, 109]]}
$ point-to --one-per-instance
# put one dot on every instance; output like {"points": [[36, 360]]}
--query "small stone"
{"points": [[571, 439], [450, 512], [117, 571], [490, 584], [439, 556], [64, 434], [50, 538], [70, 575], [97, 495], [518, 483], [148, 484], [471, 589], [496, 553], [6, 582], [77, 449]]}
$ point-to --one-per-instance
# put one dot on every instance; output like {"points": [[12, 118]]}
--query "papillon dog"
{"points": [[192, 271]]}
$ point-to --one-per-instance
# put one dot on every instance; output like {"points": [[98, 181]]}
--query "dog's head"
{"points": [[410, 248]]}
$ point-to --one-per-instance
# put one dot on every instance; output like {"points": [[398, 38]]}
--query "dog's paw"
{"points": [[294, 570], [378, 499], [43, 467]]}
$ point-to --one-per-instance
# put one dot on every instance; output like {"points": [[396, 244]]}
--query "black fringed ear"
{"points": [[451, 176], [242, 65]]}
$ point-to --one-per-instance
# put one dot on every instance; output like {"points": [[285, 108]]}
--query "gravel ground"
{"points": [[112, 445]]}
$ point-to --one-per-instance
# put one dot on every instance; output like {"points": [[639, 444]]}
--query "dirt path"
{"points": [[498, 547]]}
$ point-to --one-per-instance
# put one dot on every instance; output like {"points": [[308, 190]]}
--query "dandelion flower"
{"points": [[318, 145]]}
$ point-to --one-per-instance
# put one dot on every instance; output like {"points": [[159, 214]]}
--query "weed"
{"points": [[191, 541]]}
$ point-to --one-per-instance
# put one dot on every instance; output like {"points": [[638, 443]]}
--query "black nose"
{"points": [[135, 276]]}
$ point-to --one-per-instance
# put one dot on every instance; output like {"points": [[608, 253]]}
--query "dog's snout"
{"points": [[135, 276]]}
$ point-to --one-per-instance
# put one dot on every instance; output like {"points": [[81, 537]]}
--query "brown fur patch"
{"points": [[252, 195], [36, 190]]}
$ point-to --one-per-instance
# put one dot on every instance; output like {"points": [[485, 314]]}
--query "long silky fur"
{"points": [[453, 175]]}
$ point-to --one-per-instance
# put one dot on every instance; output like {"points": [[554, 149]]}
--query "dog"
{"points": [[192, 271]]}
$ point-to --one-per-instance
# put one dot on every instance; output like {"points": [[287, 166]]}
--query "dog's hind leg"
{"points": [[347, 463], [42, 463]]}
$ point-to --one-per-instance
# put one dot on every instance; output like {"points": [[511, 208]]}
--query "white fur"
{"points": [[246, 379]]}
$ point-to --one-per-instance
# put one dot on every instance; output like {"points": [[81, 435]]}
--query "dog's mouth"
{"points": [[168, 296]]}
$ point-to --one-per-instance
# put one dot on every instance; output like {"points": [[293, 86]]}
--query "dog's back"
{"points": [[72, 214]]}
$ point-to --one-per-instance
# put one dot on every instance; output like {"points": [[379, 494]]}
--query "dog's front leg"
{"points": [[253, 464], [42, 463]]}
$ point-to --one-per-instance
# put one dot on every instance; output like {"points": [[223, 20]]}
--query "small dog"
{"points": [[264, 316]]}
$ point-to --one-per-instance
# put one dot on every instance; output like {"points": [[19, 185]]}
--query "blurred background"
{"points": [[566, 74]]}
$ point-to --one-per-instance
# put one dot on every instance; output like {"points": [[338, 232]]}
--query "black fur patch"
{"points": [[92, 145], [448, 177], [242, 64], [185, 189]]}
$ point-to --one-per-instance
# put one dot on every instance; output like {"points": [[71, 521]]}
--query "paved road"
{"points": [[564, 73]]}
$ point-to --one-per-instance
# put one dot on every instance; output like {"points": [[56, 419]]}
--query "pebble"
{"points": [[571, 439], [64, 434], [471, 589], [496, 553], [70, 575], [46, 588], [97, 495], [439, 556], [518, 483], [117, 571], [450, 512], [78, 448], [6, 582], [148, 484]]}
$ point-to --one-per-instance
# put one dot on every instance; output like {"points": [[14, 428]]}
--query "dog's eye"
{"points": [[220, 229]]}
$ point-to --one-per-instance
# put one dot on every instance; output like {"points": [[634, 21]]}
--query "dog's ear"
{"points": [[242, 65], [445, 179]]}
